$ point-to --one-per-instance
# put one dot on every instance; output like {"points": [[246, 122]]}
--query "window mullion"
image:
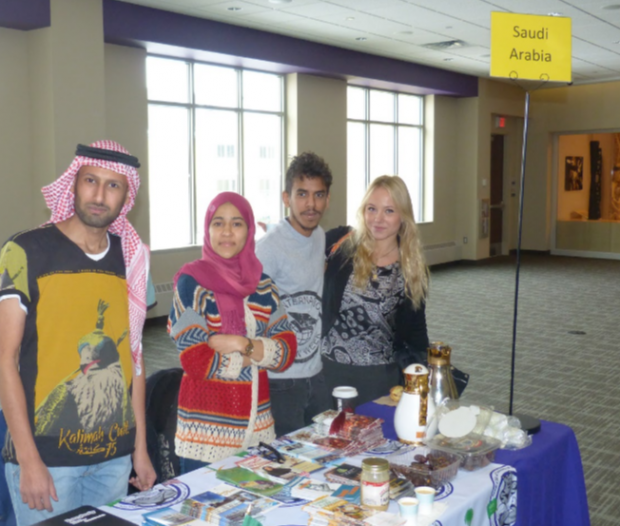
{"points": [[283, 143], [421, 173], [396, 144], [396, 147], [367, 129], [240, 141], [192, 159], [190, 196]]}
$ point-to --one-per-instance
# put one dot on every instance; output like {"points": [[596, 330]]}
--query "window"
{"points": [[384, 137], [211, 129]]}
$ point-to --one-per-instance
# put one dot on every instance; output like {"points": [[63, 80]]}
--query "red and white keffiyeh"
{"points": [[60, 200]]}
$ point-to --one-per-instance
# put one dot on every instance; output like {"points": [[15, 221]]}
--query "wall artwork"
{"points": [[573, 174], [596, 171]]}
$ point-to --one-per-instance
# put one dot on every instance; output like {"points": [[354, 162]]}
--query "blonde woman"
{"points": [[376, 283]]}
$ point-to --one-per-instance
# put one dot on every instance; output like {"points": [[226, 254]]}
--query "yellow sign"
{"points": [[531, 47]]}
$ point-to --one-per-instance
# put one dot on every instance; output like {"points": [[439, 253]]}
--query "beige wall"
{"points": [[441, 136], [127, 118], [474, 119], [16, 187], [466, 161], [317, 121], [127, 122], [66, 88], [54, 94], [76, 51], [498, 98], [575, 109], [42, 118]]}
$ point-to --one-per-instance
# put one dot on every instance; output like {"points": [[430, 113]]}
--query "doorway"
{"points": [[497, 195]]}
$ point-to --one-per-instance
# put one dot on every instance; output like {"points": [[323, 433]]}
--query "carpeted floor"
{"points": [[567, 363]]}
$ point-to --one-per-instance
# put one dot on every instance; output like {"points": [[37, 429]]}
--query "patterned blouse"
{"points": [[363, 333]]}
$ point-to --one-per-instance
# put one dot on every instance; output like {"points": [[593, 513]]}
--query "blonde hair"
{"points": [[361, 244]]}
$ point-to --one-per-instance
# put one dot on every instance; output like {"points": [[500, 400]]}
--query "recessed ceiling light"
{"points": [[361, 39], [612, 7], [553, 13], [448, 44], [233, 8], [350, 18], [280, 1]]}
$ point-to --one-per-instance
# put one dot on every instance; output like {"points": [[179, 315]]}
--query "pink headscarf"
{"points": [[60, 200], [230, 279]]}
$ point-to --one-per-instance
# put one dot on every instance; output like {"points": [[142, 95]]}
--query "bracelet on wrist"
{"points": [[249, 348]]}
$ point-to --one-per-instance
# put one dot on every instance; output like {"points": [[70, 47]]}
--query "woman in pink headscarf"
{"points": [[229, 327]]}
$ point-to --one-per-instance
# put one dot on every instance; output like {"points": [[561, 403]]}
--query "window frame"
{"points": [[367, 122], [192, 106]]}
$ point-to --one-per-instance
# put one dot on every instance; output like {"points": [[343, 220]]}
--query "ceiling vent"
{"points": [[446, 45]]}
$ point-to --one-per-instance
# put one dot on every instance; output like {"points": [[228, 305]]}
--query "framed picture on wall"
{"points": [[573, 174]]}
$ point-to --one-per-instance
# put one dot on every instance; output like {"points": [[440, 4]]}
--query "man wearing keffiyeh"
{"points": [[72, 309]]}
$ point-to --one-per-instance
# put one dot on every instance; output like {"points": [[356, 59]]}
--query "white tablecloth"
{"points": [[484, 497]]}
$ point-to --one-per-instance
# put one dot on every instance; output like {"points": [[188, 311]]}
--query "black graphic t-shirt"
{"points": [[75, 359]]}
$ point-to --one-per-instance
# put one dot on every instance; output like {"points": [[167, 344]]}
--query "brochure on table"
{"points": [[490, 488]]}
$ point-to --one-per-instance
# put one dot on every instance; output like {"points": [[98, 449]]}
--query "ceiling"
{"points": [[400, 29]]}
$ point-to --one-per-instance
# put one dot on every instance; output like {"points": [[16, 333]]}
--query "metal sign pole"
{"points": [[520, 222]]}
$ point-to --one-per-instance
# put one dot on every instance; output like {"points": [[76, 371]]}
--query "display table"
{"points": [[552, 489], [485, 497]]}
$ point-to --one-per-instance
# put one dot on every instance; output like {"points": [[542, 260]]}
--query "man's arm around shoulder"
{"points": [[36, 484]]}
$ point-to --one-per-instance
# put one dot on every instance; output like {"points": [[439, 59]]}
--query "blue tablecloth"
{"points": [[552, 489]]}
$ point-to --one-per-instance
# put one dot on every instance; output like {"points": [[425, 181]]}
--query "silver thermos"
{"points": [[441, 381]]}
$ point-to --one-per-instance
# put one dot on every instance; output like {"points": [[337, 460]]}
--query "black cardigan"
{"points": [[410, 336]]}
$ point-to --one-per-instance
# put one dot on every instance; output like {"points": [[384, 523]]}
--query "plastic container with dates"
{"points": [[475, 451], [423, 466]]}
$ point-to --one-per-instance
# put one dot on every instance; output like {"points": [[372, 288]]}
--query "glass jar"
{"points": [[375, 483]]}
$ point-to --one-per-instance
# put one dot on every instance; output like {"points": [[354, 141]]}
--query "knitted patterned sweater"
{"points": [[223, 406]]}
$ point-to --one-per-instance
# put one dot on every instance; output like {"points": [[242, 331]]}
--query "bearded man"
{"points": [[76, 420]]}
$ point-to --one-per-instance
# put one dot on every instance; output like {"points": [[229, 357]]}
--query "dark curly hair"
{"points": [[307, 164]]}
